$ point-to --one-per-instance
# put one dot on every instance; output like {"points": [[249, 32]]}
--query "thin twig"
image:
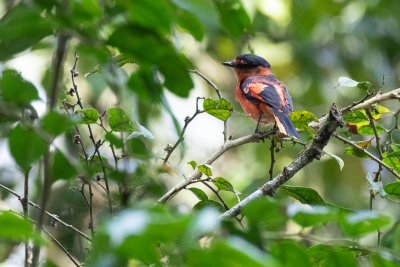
{"points": [[226, 133], [271, 166], [52, 238], [74, 74], [89, 202], [314, 151], [371, 156], [188, 119], [378, 173], [24, 203], [51, 215]]}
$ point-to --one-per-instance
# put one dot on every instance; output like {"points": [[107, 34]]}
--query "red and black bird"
{"points": [[262, 96]]}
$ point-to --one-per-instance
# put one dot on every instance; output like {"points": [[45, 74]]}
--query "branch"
{"points": [[257, 137], [314, 151], [394, 94], [371, 156]]}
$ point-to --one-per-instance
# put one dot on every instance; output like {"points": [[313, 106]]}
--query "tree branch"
{"points": [[394, 94], [314, 151], [219, 96], [257, 137]]}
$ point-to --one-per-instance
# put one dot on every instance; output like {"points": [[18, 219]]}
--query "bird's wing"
{"points": [[268, 91], [274, 94]]}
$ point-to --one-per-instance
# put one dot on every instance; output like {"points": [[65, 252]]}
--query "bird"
{"points": [[262, 96]]}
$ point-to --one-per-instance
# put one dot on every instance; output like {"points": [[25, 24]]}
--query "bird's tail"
{"points": [[284, 123]]}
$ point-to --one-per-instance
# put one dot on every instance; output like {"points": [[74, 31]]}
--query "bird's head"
{"points": [[248, 65]]}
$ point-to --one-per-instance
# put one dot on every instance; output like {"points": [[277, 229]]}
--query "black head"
{"points": [[248, 61]]}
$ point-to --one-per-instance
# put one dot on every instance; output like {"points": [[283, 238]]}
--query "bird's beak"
{"points": [[229, 64]]}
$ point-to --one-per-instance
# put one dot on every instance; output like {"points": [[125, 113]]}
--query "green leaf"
{"points": [[15, 89], [305, 215], [199, 193], [355, 117], [87, 116], [155, 15], [149, 48], [395, 147], [330, 255], [16, 30], [233, 251], [290, 253], [368, 130], [303, 194], [364, 85], [189, 23], [363, 222], [234, 17], [393, 189], [193, 164], [301, 119], [55, 123], [378, 109], [209, 203], [206, 169], [223, 184], [337, 158], [220, 109], [95, 164], [138, 148], [62, 168], [141, 131], [392, 162], [274, 219], [355, 152], [114, 140], [26, 146], [119, 121], [15, 228], [384, 260], [145, 84]]}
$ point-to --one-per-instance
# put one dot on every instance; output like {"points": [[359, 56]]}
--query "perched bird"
{"points": [[262, 96]]}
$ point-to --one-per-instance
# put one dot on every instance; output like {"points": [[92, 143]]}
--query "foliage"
{"points": [[92, 161]]}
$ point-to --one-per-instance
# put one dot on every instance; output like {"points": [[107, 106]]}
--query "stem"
{"points": [[377, 174], [271, 167], [24, 203], [57, 74], [180, 139]]}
